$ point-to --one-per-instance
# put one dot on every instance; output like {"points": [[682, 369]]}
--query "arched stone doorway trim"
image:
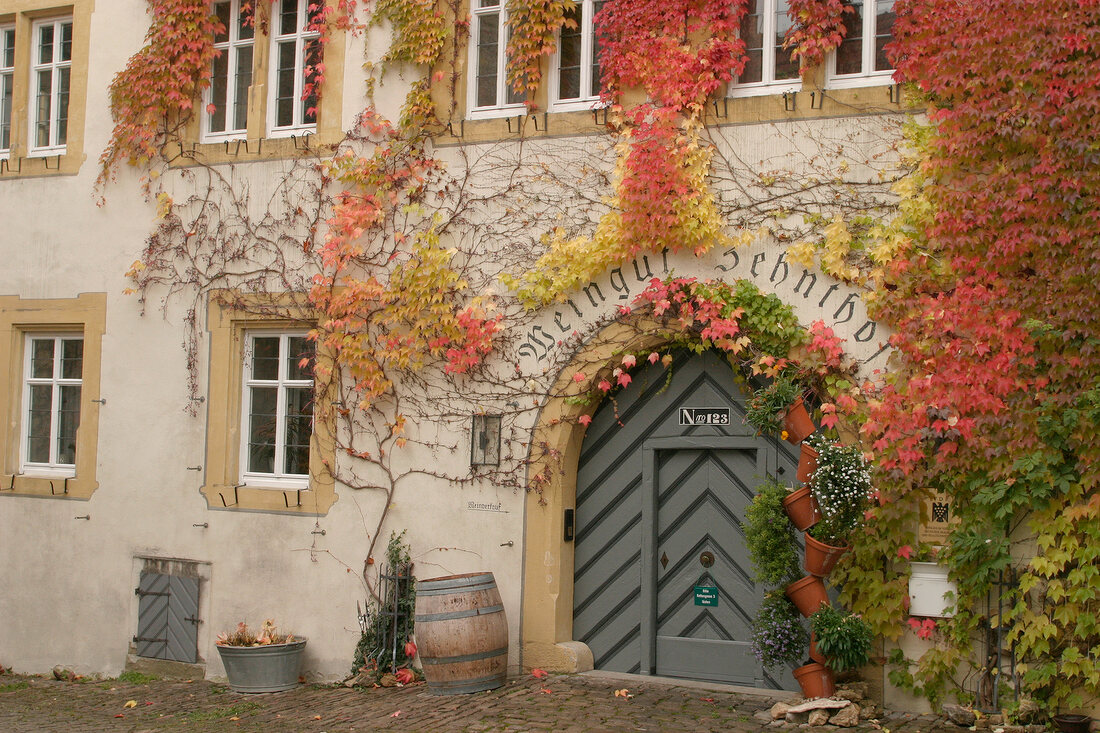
{"points": [[546, 630]]}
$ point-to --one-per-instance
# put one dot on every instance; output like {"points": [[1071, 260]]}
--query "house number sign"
{"points": [[704, 416]]}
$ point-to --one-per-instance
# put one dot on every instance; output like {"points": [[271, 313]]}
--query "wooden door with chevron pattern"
{"points": [[662, 580]]}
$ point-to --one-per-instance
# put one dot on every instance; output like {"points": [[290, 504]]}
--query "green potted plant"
{"points": [[778, 636], [770, 537], [841, 485], [267, 661], [777, 408], [842, 637]]}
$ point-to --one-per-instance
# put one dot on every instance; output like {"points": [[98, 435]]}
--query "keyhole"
{"points": [[664, 560]]}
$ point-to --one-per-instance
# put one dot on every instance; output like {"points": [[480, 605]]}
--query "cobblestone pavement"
{"points": [[562, 703]]}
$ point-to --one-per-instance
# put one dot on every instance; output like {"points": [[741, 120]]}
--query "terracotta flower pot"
{"points": [[802, 508], [808, 594], [815, 653], [807, 463], [797, 423], [820, 558], [815, 679]]}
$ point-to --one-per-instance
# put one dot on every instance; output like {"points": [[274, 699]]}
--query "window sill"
{"points": [[34, 166], [50, 487], [243, 150], [312, 501]]}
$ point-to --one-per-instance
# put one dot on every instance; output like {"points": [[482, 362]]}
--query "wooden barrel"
{"points": [[461, 633]]}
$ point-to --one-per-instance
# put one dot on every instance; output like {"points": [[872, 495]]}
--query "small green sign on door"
{"points": [[706, 595]]}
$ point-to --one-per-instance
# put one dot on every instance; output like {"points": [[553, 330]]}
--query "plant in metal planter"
{"points": [[267, 661], [778, 636], [385, 644], [843, 637]]}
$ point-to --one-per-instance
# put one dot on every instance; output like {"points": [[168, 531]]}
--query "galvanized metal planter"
{"points": [[267, 668]]}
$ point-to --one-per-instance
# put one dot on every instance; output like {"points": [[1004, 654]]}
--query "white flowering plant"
{"points": [[842, 486]]}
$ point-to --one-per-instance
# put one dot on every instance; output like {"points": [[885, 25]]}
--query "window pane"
{"points": [[298, 348], [42, 119], [246, 26], [261, 429], [288, 17], [7, 48], [596, 85], [62, 105], [284, 101], [849, 56], [5, 111], [38, 423], [569, 57], [72, 357], [785, 66], [66, 42], [309, 102], [45, 44], [221, 10], [218, 90], [752, 33], [299, 427], [243, 81], [68, 420], [265, 358], [42, 358], [488, 35], [884, 33]]}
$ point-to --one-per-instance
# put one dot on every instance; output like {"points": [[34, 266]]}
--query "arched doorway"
{"points": [[662, 579]]}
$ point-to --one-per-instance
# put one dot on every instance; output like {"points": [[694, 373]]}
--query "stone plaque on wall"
{"points": [[937, 519]]}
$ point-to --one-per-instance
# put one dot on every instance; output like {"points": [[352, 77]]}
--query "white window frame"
{"points": [[768, 84], [7, 82], [833, 80], [231, 49], [502, 108], [54, 66], [301, 36], [53, 467], [588, 45], [277, 479]]}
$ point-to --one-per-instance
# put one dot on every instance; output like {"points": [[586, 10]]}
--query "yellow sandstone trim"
{"points": [[85, 314], [230, 315], [23, 13]]}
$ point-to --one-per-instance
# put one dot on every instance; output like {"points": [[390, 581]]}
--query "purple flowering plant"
{"points": [[778, 636]]}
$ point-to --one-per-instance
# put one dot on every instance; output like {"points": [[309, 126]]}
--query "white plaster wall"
{"points": [[69, 583]]}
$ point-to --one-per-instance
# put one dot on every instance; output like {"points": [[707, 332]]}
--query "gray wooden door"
{"points": [[659, 513], [168, 610]]}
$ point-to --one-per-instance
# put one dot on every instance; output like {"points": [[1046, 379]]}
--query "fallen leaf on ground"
{"points": [[120, 715], [235, 718], [316, 717], [707, 699], [539, 673], [130, 704], [148, 703], [546, 691], [394, 715], [623, 693]]}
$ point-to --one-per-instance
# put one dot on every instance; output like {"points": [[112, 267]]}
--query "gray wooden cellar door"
{"points": [[168, 610], [662, 580]]}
